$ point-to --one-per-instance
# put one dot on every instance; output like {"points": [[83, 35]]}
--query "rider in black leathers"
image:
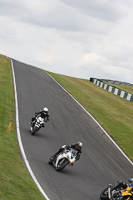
{"points": [[77, 147], [43, 114], [123, 185]]}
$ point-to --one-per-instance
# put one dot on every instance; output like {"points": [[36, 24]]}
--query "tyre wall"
{"points": [[116, 91]]}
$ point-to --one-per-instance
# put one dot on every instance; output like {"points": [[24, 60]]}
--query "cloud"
{"points": [[73, 37], [43, 58], [103, 9], [55, 14], [40, 13], [90, 58]]}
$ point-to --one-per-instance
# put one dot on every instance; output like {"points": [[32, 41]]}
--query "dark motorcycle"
{"points": [[117, 192]]}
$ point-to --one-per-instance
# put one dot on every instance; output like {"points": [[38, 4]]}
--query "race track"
{"points": [[101, 162]]}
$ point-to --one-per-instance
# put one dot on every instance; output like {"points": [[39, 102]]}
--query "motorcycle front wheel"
{"points": [[61, 164], [34, 130], [104, 194]]}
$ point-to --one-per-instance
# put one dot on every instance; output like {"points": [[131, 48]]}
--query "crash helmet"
{"points": [[45, 110], [79, 145]]}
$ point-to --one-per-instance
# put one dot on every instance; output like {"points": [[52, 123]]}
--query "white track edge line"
{"points": [[20, 141], [93, 119]]}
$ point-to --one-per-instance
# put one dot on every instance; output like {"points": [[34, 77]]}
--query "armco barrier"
{"points": [[116, 91]]}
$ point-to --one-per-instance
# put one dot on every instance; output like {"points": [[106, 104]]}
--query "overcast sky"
{"points": [[79, 38]]}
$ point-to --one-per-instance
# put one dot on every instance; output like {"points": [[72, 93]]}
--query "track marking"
{"points": [[20, 141]]}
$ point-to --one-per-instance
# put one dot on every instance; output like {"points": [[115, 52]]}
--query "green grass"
{"points": [[114, 113], [15, 182]]}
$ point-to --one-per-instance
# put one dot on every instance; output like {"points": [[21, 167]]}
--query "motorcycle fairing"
{"points": [[68, 154]]}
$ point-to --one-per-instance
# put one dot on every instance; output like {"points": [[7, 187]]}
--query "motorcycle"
{"points": [[118, 193], [39, 122], [67, 157]]}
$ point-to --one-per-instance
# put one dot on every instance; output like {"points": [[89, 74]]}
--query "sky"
{"points": [[78, 38]]}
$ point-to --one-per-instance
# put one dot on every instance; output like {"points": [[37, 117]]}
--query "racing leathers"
{"points": [[73, 146], [42, 114]]}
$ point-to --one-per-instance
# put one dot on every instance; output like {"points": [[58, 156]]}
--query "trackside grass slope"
{"points": [[112, 112], [15, 182]]}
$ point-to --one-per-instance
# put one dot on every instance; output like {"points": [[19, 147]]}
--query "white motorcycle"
{"points": [[67, 157], [39, 122]]}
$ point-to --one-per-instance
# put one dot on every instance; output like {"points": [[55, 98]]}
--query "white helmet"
{"points": [[45, 110]]}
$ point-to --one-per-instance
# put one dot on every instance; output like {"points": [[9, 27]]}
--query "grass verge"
{"points": [[114, 113], [15, 182]]}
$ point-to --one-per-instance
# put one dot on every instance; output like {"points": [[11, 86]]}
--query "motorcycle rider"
{"points": [[43, 114], [77, 147], [122, 185]]}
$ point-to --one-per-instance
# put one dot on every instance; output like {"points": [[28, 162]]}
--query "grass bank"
{"points": [[114, 113], [15, 182]]}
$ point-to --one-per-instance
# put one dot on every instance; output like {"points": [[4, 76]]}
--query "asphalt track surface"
{"points": [[101, 162]]}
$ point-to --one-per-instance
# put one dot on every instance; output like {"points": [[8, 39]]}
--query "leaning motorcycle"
{"points": [[67, 157], [39, 122], [114, 193]]}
